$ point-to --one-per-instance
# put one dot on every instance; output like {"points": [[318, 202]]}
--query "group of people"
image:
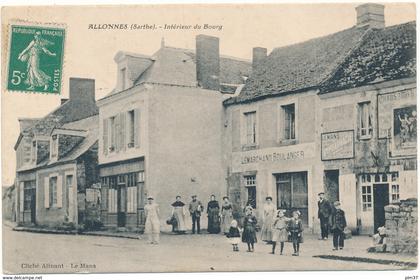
{"points": [[219, 217], [276, 228]]}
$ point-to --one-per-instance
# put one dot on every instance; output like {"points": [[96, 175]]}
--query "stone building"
{"points": [[57, 159], [160, 129], [368, 123], [322, 115]]}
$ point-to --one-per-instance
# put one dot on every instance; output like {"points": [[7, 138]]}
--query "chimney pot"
{"points": [[258, 56], [208, 62], [370, 14]]}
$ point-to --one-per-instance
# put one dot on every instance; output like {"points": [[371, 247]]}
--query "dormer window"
{"points": [[33, 152], [54, 146], [123, 78]]}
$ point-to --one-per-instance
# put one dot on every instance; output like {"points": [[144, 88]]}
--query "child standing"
{"points": [[249, 236], [280, 230], [295, 232], [234, 235], [338, 226]]}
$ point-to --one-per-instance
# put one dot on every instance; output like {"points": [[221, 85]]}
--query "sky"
{"points": [[89, 53]]}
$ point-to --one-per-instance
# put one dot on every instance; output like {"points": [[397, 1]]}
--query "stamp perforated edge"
{"points": [[7, 47]]}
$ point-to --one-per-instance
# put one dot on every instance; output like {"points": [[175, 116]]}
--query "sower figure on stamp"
{"points": [[195, 211], [338, 224], [324, 215]]}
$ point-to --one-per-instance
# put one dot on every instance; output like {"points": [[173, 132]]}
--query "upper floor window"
{"points": [[251, 128], [54, 146], [112, 134], [121, 131], [289, 127], [53, 191], [365, 120], [131, 128]]}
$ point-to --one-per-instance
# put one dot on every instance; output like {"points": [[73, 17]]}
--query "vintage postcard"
{"points": [[209, 138]]}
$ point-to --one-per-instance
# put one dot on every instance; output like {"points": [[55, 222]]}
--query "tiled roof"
{"points": [[91, 126], [177, 66], [300, 66], [384, 55], [70, 111]]}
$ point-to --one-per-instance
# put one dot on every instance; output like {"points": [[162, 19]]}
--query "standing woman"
{"points": [[227, 216], [213, 209], [152, 227], [178, 212], [268, 217]]}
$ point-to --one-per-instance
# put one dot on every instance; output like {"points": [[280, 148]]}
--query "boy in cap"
{"points": [[338, 225], [195, 209]]}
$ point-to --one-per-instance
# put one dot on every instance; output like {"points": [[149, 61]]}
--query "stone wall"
{"points": [[401, 227]]}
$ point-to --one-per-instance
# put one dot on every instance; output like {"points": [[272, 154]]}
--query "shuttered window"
{"points": [[53, 191], [112, 201], [251, 128], [132, 199], [289, 122], [365, 121], [130, 129]]}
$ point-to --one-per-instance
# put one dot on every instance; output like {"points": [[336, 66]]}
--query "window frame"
{"points": [[254, 129], [131, 131], [250, 182], [365, 116], [292, 122], [53, 191]]}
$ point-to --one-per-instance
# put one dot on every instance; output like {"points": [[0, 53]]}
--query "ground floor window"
{"points": [[292, 192], [369, 181], [251, 188]]}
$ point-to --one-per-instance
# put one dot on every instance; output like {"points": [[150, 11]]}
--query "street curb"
{"points": [[368, 260], [73, 232]]}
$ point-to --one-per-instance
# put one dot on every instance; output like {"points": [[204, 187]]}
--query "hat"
{"points": [[297, 212], [225, 197], [194, 195], [234, 223], [321, 193], [269, 198], [337, 203], [150, 197]]}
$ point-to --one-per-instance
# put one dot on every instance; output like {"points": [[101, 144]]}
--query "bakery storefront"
{"points": [[284, 173]]}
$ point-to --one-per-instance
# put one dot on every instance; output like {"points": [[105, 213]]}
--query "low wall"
{"points": [[401, 227]]}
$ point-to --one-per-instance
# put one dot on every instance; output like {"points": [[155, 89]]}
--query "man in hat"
{"points": [[338, 224], [324, 214], [152, 225], [195, 211]]}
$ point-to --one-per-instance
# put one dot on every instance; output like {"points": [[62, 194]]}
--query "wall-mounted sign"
{"points": [[337, 145], [386, 105], [404, 131]]}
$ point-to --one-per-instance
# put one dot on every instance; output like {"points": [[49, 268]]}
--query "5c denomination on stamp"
{"points": [[35, 58]]}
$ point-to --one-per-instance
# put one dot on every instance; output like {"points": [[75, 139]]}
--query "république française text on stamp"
{"points": [[36, 55]]}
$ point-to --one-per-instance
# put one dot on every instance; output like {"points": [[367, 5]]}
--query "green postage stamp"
{"points": [[35, 58]]}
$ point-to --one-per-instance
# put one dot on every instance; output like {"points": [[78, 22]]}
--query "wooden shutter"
{"points": [[70, 191], [21, 196], [348, 199], [136, 128], [47, 192], [117, 133], [123, 118], [105, 136], [59, 192]]}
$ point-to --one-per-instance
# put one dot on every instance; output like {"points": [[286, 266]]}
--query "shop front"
{"points": [[284, 173]]}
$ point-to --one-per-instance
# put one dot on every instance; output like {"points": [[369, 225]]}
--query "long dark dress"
{"points": [[213, 225], [249, 235]]}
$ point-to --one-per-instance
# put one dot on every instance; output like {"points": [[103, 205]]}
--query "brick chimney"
{"points": [[82, 90], [370, 14], [258, 55], [208, 62]]}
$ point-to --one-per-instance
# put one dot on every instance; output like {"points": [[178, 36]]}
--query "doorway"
{"points": [[380, 200], [121, 216], [33, 206], [331, 185]]}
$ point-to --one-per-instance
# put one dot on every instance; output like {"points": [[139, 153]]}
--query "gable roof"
{"points": [[385, 54], [299, 67], [177, 66]]}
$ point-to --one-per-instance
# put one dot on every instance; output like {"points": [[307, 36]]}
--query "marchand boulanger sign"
{"points": [[273, 157]]}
